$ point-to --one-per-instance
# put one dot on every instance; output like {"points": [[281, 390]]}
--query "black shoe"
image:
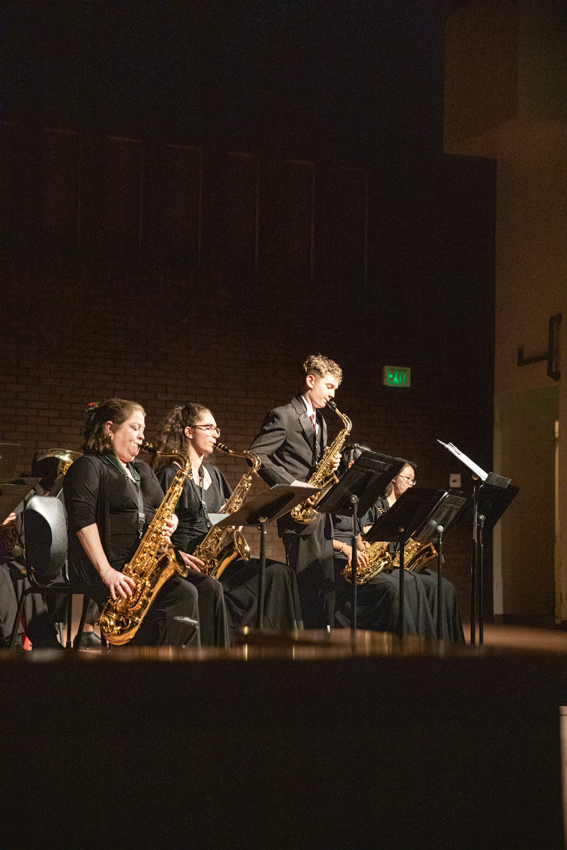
{"points": [[18, 645], [46, 642], [89, 640]]}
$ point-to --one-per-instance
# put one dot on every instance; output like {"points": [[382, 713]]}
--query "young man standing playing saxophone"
{"points": [[291, 443]]}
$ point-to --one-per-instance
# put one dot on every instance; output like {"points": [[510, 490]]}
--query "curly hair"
{"points": [[317, 364], [171, 436], [115, 410]]}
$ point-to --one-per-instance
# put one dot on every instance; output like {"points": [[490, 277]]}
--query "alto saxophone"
{"points": [[153, 563], [222, 544], [324, 476]]}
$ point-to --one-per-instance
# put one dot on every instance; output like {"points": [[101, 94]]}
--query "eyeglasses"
{"points": [[210, 429], [411, 481]]}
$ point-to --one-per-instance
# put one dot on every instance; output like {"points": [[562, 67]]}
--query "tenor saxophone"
{"points": [[153, 563], [222, 544], [324, 475]]}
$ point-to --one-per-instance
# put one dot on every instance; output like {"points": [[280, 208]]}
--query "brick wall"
{"points": [[171, 232]]}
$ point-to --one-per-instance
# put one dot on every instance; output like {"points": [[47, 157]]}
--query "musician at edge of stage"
{"points": [[451, 625], [291, 442], [193, 430], [101, 491], [378, 598]]}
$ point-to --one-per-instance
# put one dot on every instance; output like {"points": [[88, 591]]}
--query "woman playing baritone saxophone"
{"points": [[192, 429], [104, 492]]}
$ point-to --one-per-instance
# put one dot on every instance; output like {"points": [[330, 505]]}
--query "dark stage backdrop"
{"points": [[187, 219]]}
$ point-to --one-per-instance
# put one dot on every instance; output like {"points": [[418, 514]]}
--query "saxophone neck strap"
{"points": [[135, 479]]}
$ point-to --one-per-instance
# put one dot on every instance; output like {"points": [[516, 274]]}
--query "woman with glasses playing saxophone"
{"points": [[377, 598], [193, 430], [451, 626]]}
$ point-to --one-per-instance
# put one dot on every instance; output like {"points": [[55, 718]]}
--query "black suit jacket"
{"points": [[287, 444]]}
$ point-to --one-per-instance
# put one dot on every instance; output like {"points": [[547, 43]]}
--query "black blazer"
{"points": [[287, 445]]}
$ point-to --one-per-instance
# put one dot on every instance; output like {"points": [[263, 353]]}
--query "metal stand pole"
{"points": [[354, 564], [481, 520], [261, 586], [474, 564], [401, 600], [439, 531]]}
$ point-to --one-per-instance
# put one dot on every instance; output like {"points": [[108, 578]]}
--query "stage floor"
{"points": [[298, 741]]}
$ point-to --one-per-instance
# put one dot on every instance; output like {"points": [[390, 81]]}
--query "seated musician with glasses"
{"points": [[378, 598], [192, 430], [451, 626]]}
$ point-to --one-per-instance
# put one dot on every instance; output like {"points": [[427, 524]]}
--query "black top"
{"points": [[192, 513], [342, 528], [97, 492]]}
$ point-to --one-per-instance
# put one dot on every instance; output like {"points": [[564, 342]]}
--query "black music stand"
{"points": [[406, 516], [355, 494], [443, 517], [490, 499], [12, 494], [367, 479], [260, 511], [9, 456]]}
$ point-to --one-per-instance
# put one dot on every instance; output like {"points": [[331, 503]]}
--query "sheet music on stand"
{"points": [[490, 499], [480, 473], [485, 477]]}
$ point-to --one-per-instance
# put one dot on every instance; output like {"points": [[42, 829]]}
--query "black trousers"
{"points": [[378, 603], [310, 554], [451, 625], [213, 619], [39, 625], [177, 598], [241, 585]]}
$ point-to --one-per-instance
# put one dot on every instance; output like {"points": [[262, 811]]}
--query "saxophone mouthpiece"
{"points": [[222, 448], [149, 448], [331, 404]]}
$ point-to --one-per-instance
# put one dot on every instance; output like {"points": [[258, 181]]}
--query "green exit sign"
{"points": [[396, 376]]}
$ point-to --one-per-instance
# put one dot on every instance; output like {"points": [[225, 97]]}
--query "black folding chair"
{"points": [[45, 530]]}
